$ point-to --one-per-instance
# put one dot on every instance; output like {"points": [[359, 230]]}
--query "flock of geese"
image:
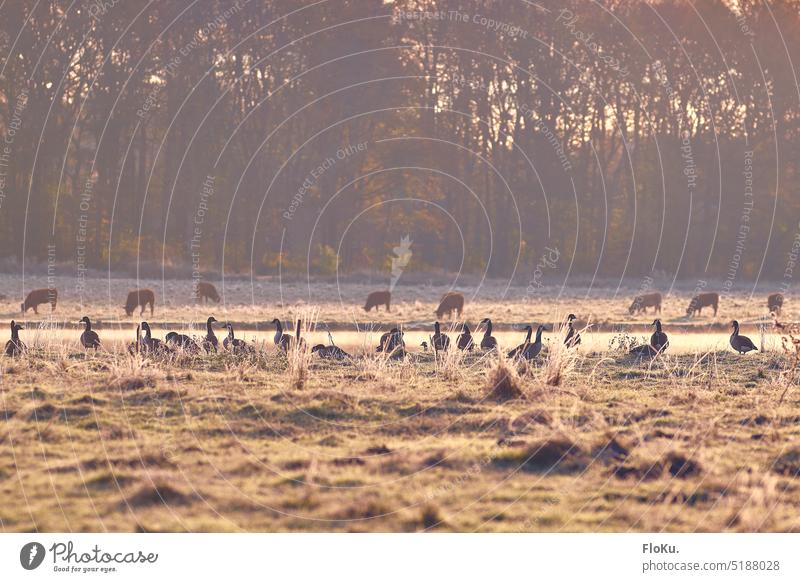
{"points": [[391, 342]]}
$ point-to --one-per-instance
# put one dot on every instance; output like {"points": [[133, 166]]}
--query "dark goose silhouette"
{"points": [[282, 340], [659, 341], [89, 337], [517, 351], [465, 339], [182, 341], [14, 346], [741, 343], [235, 345], [210, 341], [440, 341], [488, 342], [392, 343], [330, 352], [573, 338], [150, 344]]}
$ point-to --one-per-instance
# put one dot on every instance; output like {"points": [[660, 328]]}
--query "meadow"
{"points": [[584, 440]]}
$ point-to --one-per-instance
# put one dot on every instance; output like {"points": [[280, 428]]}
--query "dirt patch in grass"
{"points": [[681, 466], [159, 494], [788, 463], [548, 456]]}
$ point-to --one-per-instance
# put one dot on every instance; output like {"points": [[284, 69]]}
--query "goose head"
{"points": [[571, 317], [317, 348], [735, 325], [465, 329], [211, 320], [85, 320]]}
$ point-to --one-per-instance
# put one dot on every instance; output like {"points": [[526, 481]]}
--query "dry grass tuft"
{"points": [[502, 381]]}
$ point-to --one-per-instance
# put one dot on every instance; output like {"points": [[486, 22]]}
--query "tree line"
{"points": [[624, 137]]}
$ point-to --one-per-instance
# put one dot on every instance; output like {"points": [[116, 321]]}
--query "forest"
{"points": [[625, 138]]}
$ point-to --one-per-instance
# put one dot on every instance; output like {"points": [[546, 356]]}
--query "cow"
{"points": [[378, 298], [703, 300], [140, 298], [451, 301], [206, 291], [642, 302], [39, 296], [775, 303]]}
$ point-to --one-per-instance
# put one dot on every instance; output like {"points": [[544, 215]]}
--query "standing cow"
{"points": [[451, 301], [140, 298], [206, 291], [642, 302], [775, 303], [378, 298], [39, 296], [703, 300]]}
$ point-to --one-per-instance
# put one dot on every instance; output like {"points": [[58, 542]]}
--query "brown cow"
{"points": [[451, 301], [378, 298], [140, 298], [775, 303], [206, 291], [642, 302], [703, 300], [39, 296]]}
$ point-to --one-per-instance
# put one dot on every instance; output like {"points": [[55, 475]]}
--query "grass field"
{"points": [[578, 442]]}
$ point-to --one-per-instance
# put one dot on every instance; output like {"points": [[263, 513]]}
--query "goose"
{"points": [[210, 341], [281, 340], [488, 342], [387, 341], [179, 340], [517, 351], [298, 341], [236, 345], [465, 339], [392, 343], [135, 346], [89, 338], [741, 343], [14, 346], [440, 341], [573, 338], [424, 346], [330, 352], [150, 344], [535, 348], [659, 341]]}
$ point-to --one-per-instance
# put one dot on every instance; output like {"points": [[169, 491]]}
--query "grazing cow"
{"points": [[206, 291], [39, 296], [703, 300], [451, 301], [140, 298], [642, 302], [378, 298], [775, 303]]}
